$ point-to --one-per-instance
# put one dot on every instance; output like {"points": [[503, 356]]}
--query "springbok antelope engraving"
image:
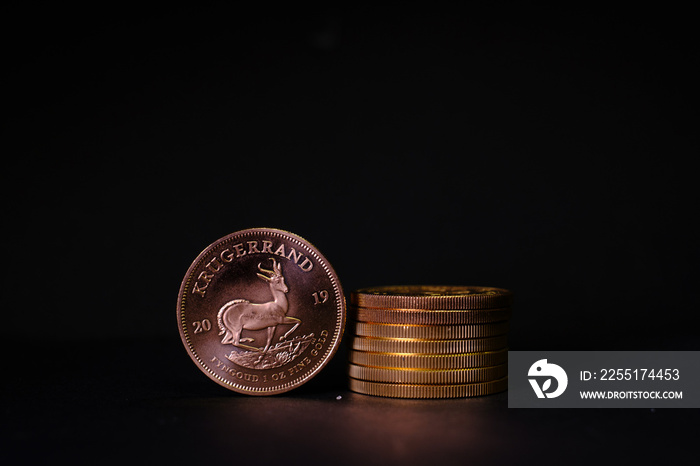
{"points": [[240, 314]]}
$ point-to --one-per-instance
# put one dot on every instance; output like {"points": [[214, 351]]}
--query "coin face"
{"points": [[261, 311]]}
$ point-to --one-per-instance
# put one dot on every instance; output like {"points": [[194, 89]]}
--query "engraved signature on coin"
{"points": [[240, 314]]}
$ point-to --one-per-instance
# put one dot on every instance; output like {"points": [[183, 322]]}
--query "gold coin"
{"points": [[404, 345], [396, 390], [429, 361], [429, 332], [250, 316], [427, 376], [429, 317], [432, 297]]}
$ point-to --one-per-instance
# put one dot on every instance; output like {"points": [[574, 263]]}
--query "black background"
{"points": [[547, 150]]}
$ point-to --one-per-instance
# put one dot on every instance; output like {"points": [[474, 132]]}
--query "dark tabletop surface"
{"points": [[141, 401]]}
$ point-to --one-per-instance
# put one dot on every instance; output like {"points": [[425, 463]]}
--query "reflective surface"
{"points": [[118, 401]]}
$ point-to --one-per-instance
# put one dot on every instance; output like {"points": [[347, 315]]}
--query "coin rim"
{"points": [[398, 390], [430, 317], [428, 361], [427, 376], [341, 314], [388, 297], [429, 332], [423, 346]]}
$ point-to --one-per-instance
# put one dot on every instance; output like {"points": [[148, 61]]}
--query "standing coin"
{"points": [[261, 311]]}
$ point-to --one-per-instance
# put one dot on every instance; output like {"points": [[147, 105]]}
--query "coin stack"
{"points": [[429, 341]]}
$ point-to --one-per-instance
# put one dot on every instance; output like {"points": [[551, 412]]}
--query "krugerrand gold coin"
{"points": [[403, 345], [397, 390], [261, 311], [432, 297], [429, 361], [429, 332], [428, 376], [429, 317], [428, 341]]}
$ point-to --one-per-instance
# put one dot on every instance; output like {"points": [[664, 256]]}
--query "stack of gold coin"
{"points": [[429, 341]]}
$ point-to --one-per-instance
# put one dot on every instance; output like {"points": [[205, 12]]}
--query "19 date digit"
{"points": [[320, 297]]}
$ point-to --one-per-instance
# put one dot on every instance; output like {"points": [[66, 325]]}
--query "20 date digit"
{"points": [[201, 326]]}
